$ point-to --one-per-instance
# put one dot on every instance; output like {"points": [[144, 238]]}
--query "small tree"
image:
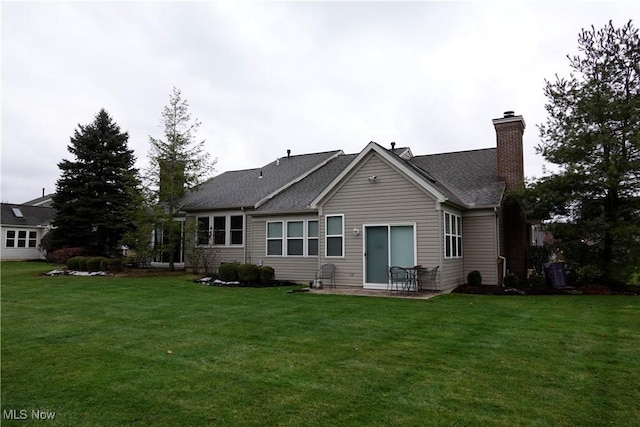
{"points": [[178, 163], [593, 134], [93, 197]]}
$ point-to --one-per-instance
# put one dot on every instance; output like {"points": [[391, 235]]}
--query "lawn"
{"points": [[166, 351]]}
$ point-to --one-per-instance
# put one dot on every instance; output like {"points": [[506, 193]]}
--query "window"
{"points": [[312, 238], [11, 238], [33, 238], [236, 229], [295, 238], [452, 236], [21, 239], [274, 238], [219, 230], [292, 238], [334, 235], [223, 230], [204, 230]]}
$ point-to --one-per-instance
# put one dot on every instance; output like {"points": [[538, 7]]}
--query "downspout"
{"points": [[504, 260], [244, 256]]}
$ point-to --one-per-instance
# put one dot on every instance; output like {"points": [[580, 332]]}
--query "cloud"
{"points": [[264, 77]]}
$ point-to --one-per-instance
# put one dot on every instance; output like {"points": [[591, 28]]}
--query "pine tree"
{"points": [[94, 194], [593, 134], [177, 164]]}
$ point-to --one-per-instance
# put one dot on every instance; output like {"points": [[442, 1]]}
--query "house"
{"points": [[22, 228], [366, 211]]}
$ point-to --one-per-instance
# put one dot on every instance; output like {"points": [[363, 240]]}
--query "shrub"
{"points": [[62, 256], [588, 275], [510, 281], [94, 263], [228, 272], [267, 274], [82, 263], [538, 281], [74, 263], [474, 278], [248, 273], [114, 265]]}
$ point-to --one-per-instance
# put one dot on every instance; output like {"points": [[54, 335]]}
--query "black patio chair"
{"points": [[327, 272]]}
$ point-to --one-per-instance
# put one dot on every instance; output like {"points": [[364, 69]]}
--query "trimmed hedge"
{"points": [[114, 265], [538, 281], [74, 263], [93, 263], [248, 273], [511, 281], [267, 274], [228, 272], [474, 278]]}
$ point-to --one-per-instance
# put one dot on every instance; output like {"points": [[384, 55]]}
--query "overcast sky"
{"points": [[264, 77]]}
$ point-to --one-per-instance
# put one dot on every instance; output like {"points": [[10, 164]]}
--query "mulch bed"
{"points": [[568, 290]]}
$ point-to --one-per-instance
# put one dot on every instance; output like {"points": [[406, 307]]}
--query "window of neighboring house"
{"points": [[11, 239], [33, 238], [295, 238], [312, 238], [219, 230], [21, 239], [274, 238], [204, 230], [334, 235], [452, 236], [236, 228]]}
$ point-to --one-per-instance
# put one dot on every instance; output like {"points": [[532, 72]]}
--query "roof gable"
{"points": [[418, 177]]}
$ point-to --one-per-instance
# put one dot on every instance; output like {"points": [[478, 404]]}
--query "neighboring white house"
{"points": [[22, 227]]}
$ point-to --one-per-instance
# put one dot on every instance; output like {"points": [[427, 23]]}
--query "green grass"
{"points": [[96, 352]]}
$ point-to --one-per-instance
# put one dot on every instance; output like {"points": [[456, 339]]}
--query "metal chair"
{"points": [[327, 272], [401, 279], [428, 275]]}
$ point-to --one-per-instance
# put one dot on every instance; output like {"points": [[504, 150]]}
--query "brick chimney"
{"points": [[509, 130]]}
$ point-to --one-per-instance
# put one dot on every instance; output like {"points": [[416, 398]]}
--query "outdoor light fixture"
{"points": [[356, 232], [373, 179]]}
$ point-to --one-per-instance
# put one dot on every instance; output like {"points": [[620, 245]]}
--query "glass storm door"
{"points": [[387, 245], [376, 254]]}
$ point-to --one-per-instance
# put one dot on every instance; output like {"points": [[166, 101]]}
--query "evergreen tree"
{"points": [[177, 164], [593, 134], [94, 194]]}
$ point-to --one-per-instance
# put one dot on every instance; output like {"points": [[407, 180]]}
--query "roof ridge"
{"points": [[456, 152]]}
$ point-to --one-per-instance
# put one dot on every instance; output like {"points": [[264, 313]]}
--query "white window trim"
{"points": [[285, 238], [453, 234], [227, 230], [281, 238], [15, 239], [327, 236]]}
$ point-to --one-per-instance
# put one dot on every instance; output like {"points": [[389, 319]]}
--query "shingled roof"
{"points": [[290, 184], [26, 215], [252, 187], [470, 175], [297, 197]]}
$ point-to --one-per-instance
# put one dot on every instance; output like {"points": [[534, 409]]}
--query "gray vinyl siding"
{"points": [[391, 199], [480, 252], [300, 269]]}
